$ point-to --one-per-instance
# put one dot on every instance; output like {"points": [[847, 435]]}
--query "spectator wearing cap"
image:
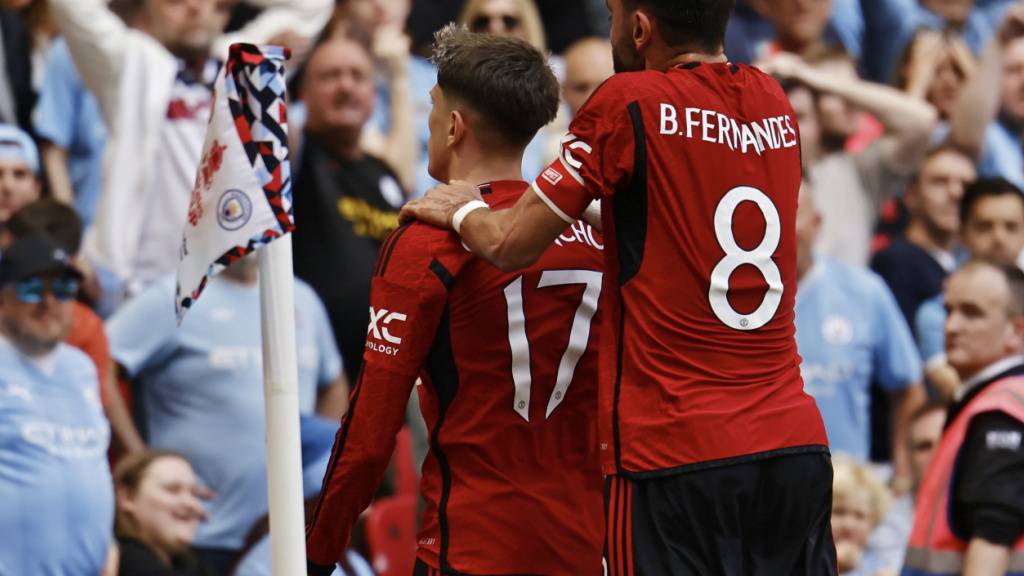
{"points": [[970, 506], [19, 170], [55, 483], [849, 333], [60, 223], [200, 389], [992, 228], [915, 264]]}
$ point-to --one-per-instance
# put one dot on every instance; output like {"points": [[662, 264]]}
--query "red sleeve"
{"points": [[596, 155], [407, 299]]}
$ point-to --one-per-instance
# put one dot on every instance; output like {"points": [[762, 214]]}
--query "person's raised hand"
{"points": [[785, 66], [439, 204]]}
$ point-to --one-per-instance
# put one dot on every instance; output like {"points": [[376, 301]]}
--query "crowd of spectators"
{"points": [[911, 119]]}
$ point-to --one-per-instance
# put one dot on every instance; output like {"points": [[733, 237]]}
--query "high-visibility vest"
{"points": [[934, 549]]}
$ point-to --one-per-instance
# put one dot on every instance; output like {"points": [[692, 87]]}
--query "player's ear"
{"points": [[457, 128], [643, 29]]}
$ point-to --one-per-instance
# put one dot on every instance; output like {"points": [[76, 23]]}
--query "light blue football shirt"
{"points": [[56, 492], [849, 331], [201, 388]]}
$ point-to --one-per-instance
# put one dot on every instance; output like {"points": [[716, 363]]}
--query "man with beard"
{"points": [[716, 459]]}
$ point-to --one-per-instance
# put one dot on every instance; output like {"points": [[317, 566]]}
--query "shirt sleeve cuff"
{"points": [[997, 526]]}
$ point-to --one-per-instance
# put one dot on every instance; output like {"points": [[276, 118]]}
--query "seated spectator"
{"points": [[989, 113], [889, 541], [992, 224], [935, 68], [57, 221], [859, 503], [797, 26], [200, 389], [858, 182], [347, 200], [55, 484], [915, 265], [849, 333], [19, 170], [158, 513]]}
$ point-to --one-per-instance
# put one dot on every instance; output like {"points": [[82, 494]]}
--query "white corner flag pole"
{"points": [[281, 391]]}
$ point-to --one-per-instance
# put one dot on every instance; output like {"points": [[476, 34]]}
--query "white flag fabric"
{"points": [[242, 197]]}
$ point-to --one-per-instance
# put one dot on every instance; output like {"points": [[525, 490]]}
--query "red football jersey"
{"points": [[698, 170], [508, 363]]}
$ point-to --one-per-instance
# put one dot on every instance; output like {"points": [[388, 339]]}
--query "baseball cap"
{"points": [[33, 256], [16, 144]]}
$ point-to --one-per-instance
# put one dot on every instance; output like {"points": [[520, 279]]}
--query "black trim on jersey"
{"points": [[485, 189], [616, 438], [629, 206], [444, 377], [339, 448], [745, 459], [689, 65], [388, 248], [734, 68], [442, 273]]}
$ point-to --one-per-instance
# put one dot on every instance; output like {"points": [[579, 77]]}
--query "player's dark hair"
{"points": [[505, 81], [51, 218], [689, 23], [986, 188]]}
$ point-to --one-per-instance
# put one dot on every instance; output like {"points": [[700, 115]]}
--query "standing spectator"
{"points": [[57, 221], [970, 508], [890, 26], [201, 390], [935, 68], [346, 200], [857, 183], [859, 503], [55, 483], [849, 333], [158, 512], [888, 542], [992, 224], [990, 110], [19, 170], [915, 265], [154, 89]]}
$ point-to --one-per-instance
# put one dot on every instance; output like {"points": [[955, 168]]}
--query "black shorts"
{"points": [[761, 518]]}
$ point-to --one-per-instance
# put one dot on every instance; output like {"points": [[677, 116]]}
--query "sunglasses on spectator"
{"points": [[482, 22], [31, 291]]}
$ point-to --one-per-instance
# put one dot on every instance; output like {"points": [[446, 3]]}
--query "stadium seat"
{"points": [[391, 535]]}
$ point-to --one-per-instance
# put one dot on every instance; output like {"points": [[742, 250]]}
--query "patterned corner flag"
{"points": [[242, 198]]}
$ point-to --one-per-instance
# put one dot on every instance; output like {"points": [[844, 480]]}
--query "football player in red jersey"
{"points": [[512, 482], [717, 460]]}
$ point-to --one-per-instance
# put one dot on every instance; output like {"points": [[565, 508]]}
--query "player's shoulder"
{"points": [[415, 246]]}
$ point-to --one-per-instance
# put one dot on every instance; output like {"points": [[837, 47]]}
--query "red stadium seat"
{"points": [[391, 535]]}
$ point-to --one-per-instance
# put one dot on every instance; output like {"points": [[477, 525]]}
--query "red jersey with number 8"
{"points": [[698, 170]]}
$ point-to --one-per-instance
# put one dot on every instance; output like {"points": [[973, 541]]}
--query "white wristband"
{"points": [[464, 211]]}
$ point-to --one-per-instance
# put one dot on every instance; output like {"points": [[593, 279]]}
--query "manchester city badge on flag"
{"points": [[242, 197]]}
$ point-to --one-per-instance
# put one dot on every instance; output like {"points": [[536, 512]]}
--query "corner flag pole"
{"points": [[281, 391]]}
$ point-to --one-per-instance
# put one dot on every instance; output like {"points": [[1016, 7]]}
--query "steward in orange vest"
{"points": [[974, 486]]}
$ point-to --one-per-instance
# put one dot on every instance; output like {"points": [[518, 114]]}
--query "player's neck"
{"points": [[671, 59], [480, 170]]}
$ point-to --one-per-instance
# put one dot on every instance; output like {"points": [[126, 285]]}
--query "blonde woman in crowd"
{"points": [[859, 503]]}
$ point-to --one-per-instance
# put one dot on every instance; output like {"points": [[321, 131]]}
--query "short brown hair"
{"points": [[51, 218], [507, 82]]}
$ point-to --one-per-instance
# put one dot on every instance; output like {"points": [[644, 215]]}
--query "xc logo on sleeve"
{"points": [[379, 321]]}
